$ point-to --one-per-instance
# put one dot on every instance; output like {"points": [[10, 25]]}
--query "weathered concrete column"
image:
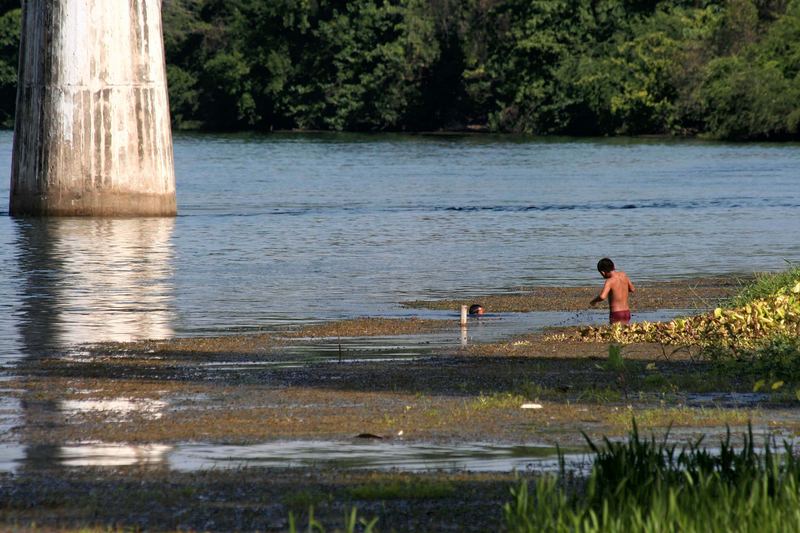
{"points": [[92, 132]]}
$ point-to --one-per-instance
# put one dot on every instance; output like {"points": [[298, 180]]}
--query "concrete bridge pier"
{"points": [[92, 135]]}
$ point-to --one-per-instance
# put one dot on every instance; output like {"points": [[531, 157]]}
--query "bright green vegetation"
{"points": [[503, 400], [765, 285], [644, 485], [726, 68], [684, 416]]}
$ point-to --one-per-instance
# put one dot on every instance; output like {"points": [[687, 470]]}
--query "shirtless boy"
{"points": [[616, 289]]}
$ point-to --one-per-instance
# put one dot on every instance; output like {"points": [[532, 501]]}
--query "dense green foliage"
{"points": [[646, 486], [726, 68]]}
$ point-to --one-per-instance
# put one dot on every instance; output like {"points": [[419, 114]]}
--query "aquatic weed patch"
{"points": [[505, 400], [731, 330]]}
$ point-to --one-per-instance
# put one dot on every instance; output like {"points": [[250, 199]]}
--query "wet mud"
{"points": [[229, 346], [136, 499]]}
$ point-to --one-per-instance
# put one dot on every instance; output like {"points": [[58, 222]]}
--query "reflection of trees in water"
{"points": [[88, 280], [91, 280]]}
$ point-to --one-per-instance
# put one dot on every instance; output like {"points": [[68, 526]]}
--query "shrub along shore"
{"points": [[728, 69]]}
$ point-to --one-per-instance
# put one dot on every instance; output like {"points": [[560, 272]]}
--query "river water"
{"points": [[280, 229]]}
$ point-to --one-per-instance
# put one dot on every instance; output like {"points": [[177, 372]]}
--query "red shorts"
{"points": [[620, 317]]}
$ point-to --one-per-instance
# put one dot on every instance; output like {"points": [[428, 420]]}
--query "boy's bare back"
{"points": [[616, 289]]}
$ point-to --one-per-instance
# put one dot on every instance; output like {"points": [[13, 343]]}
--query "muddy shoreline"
{"points": [[321, 383]]}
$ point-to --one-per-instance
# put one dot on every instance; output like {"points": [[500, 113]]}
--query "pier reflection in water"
{"points": [[93, 280], [89, 280], [399, 456]]}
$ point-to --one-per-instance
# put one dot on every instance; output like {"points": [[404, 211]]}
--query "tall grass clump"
{"points": [[642, 485], [353, 523], [764, 286]]}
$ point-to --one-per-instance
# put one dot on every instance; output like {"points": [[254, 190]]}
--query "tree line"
{"points": [[726, 69]]}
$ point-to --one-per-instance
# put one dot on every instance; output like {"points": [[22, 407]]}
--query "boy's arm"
{"points": [[603, 294], [631, 288]]}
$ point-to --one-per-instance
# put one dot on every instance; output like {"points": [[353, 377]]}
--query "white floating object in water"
{"points": [[531, 406], [400, 433]]}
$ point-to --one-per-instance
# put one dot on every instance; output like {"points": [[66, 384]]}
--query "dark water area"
{"points": [[282, 229]]}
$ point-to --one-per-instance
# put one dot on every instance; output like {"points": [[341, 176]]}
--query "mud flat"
{"points": [[122, 435]]}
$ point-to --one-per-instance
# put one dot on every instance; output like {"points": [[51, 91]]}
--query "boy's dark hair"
{"points": [[605, 265], [474, 308]]}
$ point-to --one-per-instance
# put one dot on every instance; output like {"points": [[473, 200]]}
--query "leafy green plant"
{"points": [[772, 362]]}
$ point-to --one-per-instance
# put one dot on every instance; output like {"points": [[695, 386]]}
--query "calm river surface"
{"points": [[286, 228]]}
